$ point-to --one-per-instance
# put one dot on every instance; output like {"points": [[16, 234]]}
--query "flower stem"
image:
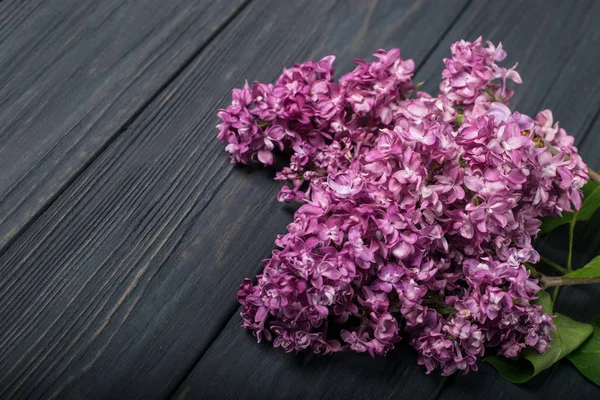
{"points": [[554, 281], [571, 233], [594, 176], [552, 264], [489, 91], [555, 295]]}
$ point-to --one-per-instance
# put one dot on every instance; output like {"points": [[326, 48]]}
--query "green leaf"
{"points": [[545, 301], [568, 336], [590, 270], [590, 203], [515, 371], [587, 357]]}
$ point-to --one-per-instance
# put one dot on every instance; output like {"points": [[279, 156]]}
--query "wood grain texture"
{"points": [[122, 284], [560, 72], [119, 287], [72, 74]]}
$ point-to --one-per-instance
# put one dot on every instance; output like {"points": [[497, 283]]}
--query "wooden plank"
{"points": [[72, 74], [235, 364], [120, 286]]}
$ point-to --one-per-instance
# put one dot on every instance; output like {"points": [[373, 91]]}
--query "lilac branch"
{"points": [[553, 281]]}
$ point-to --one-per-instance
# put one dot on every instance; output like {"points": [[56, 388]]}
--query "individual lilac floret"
{"points": [[469, 74]]}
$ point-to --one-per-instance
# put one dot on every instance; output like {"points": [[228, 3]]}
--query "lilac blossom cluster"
{"points": [[417, 214]]}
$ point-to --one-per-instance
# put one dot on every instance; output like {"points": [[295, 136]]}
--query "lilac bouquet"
{"points": [[417, 211]]}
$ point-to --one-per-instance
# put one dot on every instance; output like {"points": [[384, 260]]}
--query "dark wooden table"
{"points": [[125, 232]]}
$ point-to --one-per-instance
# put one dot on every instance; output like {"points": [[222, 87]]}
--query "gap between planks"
{"points": [[195, 54]]}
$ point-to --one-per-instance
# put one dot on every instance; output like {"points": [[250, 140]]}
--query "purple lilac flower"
{"points": [[412, 219]]}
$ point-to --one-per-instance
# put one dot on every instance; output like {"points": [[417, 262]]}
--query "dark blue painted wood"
{"points": [[126, 232]]}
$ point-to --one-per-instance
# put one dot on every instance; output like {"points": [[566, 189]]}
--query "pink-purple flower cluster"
{"points": [[418, 212]]}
